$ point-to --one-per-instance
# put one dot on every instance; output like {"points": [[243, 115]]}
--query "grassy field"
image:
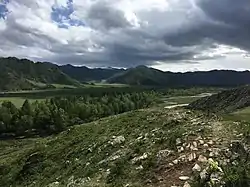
{"points": [[240, 115], [178, 100], [17, 101]]}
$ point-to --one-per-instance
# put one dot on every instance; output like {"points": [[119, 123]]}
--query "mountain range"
{"points": [[23, 74]]}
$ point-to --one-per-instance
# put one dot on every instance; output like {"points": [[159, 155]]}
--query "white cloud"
{"points": [[125, 33]]}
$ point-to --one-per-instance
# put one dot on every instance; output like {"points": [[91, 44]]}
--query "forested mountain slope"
{"points": [[84, 73], [21, 74], [143, 75]]}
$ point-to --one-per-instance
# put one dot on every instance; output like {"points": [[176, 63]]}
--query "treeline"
{"points": [[56, 114]]}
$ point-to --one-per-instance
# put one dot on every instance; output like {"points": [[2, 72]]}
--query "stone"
{"points": [[210, 142], [198, 138], [178, 141], [202, 159], [193, 148], [196, 168], [205, 145], [180, 149], [188, 146], [164, 153], [228, 153], [203, 174], [118, 140], [171, 164], [184, 178], [187, 184], [139, 168], [211, 154], [175, 162], [182, 158], [201, 142], [191, 157], [143, 157], [195, 144]]}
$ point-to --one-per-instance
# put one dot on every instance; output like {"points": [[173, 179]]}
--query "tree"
{"points": [[9, 105], [26, 108], [60, 120]]}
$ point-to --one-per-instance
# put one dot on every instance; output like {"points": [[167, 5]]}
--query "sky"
{"points": [[171, 35]]}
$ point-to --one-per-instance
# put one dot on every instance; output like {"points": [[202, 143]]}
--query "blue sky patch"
{"points": [[3, 9], [61, 15]]}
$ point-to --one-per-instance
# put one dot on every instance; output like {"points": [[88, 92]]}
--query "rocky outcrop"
{"points": [[226, 101]]}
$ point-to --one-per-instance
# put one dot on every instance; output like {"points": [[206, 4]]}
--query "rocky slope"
{"points": [[225, 101], [153, 147]]}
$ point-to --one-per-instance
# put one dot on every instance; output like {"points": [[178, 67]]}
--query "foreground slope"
{"points": [[19, 74], [153, 147]]}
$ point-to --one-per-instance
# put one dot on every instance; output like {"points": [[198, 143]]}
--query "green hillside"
{"points": [[149, 147], [22, 74], [140, 75]]}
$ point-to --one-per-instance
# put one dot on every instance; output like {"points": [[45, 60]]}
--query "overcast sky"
{"points": [[175, 35]]}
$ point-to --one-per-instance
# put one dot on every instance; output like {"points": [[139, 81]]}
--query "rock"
{"points": [[201, 142], [175, 162], [171, 165], [202, 159], [117, 140], [188, 146], [205, 145], [143, 157], [178, 141], [184, 178], [191, 157], [164, 153], [198, 138], [211, 154], [139, 168], [203, 175], [182, 158], [180, 149], [193, 148], [195, 144], [214, 152], [113, 158], [187, 184], [228, 153], [210, 142], [196, 168]]}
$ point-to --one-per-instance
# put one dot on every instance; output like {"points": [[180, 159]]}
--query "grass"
{"points": [[61, 86], [181, 100], [107, 85], [17, 101], [242, 115]]}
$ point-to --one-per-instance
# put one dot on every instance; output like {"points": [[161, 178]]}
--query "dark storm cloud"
{"points": [[102, 15], [228, 23]]}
